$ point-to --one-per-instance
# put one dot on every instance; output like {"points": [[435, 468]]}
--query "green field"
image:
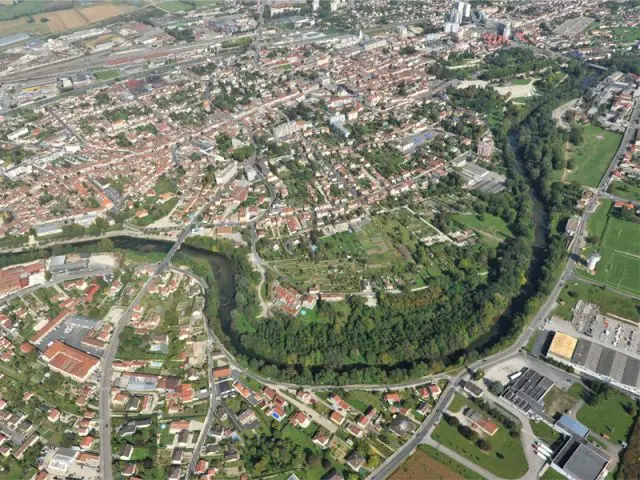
{"points": [[618, 242], [103, 75], [361, 400], [175, 6], [594, 155], [513, 463], [544, 432], [492, 228], [457, 403], [609, 302], [626, 35], [521, 81], [626, 189], [608, 416]]}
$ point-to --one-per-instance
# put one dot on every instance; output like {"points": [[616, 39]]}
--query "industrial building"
{"points": [[597, 361]]}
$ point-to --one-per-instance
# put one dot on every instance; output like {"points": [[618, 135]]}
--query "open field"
{"points": [[420, 462], [608, 416], [506, 458], [626, 35], [557, 402], [175, 6], [60, 21], [609, 302], [593, 156], [625, 189], [493, 229], [106, 74], [620, 251]]}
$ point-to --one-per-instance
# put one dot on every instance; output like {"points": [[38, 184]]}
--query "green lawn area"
{"points": [[489, 226], [521, 81], [594, 155], [457, 403], [618, 242], [626, 35], [544, 432], [609, 302], [103, 75], [506, 458], [608, 416], [626, 189], [449, 462], [299, 436], [175, 6], [361, 400], [551, 474]]}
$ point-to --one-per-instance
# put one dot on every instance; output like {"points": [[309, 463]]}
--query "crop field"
{"points": [[419, 463], [61, 20], [593, 156]]}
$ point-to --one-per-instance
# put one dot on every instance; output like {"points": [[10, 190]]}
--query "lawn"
{"points": [[609, 416], [506, 458], [594, 155], [103, 75], [626, 189], [626, 35], [551, 474], [175, 6], [439, 466], [299, 436], [487, 225], [457, 403], [620, 250], [521, 81], [362, 400], [609, 302], [544, 432]]}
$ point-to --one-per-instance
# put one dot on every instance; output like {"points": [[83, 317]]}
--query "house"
{"points": [[201, 467], [300, 420], [434, 390], [480, 422], [86, 443], [337, 418], [471, 388], [355, 461], [127, 452], [54, 415], [338, 404], [221, 372], [392, 398], [321, 439]]}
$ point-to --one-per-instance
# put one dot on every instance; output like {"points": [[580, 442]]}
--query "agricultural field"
{"points": [[592, 157], [60, 21], [626, 35], [618, 242], [493, 230], [175, 6], [439, 466]]}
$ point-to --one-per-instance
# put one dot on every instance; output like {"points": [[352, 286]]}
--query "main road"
{"points": [[106, 472]]}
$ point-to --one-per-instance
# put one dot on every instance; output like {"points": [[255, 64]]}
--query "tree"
{"points": [[576, 135], [496, 388], [478, 374], [483, 445]]}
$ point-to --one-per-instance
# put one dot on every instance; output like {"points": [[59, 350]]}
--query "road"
{"points": [[395, 460], [110, 352]]}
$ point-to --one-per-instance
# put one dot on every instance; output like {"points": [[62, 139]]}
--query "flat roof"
{"points": [[573, 426], [586, 463], [563, 345]]}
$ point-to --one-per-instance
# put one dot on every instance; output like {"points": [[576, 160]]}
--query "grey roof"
{"points": [[586, 463]]}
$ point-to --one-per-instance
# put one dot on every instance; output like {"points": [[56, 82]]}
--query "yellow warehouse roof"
{"points": [[563, 345]]}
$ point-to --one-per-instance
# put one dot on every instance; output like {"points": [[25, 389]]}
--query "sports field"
{"points": [[618, 242], [594, 155]]}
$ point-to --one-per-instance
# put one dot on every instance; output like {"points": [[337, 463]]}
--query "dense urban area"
{"points": [[320, 239]]}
